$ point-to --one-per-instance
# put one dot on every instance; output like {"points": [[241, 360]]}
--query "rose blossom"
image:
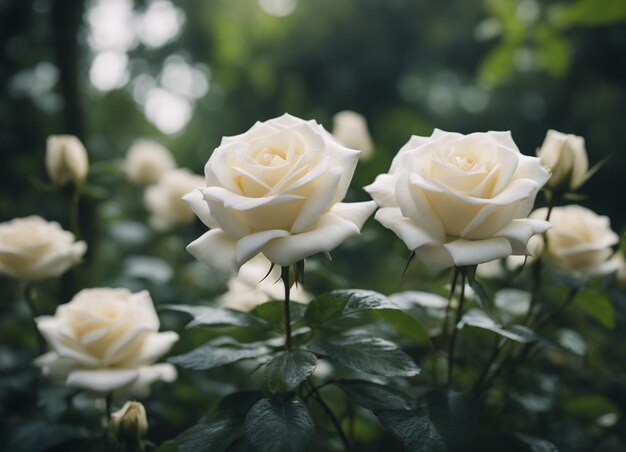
{"points": [[350, 129], [146, 161], [106, 340], [253, 286], [566, 156], [580, 241], [32, 249], [66, 160], [164, 200], [460, 200], [276, 189]]}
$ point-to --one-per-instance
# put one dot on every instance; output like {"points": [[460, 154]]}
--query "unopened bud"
{"points": [[66, 160], [130, 425]]}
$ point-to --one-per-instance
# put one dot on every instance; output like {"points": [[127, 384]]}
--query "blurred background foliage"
{"points": [[185, 73]]}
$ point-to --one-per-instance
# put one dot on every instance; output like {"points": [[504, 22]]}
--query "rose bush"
{"points": [[164, 199], [566, 156], [32, 249], [580, 241], [276, 189], [106, 340], [459, 200]]}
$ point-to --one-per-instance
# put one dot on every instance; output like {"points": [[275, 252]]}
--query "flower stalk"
{"points": [[459, 313]]}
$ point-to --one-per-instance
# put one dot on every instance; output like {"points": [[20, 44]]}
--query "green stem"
{"points": [[71, 201], [329, 412], [26, 292], [287, 307], [455, 277], [459, 313], [498, 347]]}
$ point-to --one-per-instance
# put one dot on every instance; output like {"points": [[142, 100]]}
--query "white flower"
{"points": [[350, 129], [566, 156], [580, 241], [146, 161], [254, 286], [106, 340], [32, 249], [66, 160], [621, 271], [461, 200], [276, 189], [164, 200]]}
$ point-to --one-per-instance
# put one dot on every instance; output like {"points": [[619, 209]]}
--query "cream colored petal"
{"points": [[101, 380], [404, 228], [215, 249], [195, 200]]}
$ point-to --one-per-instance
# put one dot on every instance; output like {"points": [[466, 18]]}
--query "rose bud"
{"points": [[129, 425], [566, 156], [66, 160], [350, 129]]}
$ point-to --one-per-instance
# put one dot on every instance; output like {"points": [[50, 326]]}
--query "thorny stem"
{"points": [[333, 419], [459, 313], [285, 278]]}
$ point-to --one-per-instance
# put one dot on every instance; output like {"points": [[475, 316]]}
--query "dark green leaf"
{"points": [[367, 354], [42, 435], [442, 422], [288, 370], [239, 403], [479, 319], [403, 323], [374, 396], [536, 444], [482, 298], [212, 434], [272, 312], [340, 303], [215, 354], [279, 425], [210, 316], [597, 306]]}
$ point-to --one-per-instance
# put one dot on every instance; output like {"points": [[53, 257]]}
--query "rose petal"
{"points": [[464, 252], [195, 200], [215, 249], [242, 203], [101, 380], [318, 203], [49, 328], [405, 228], [342, 222], [154, 346], [140, 387], [252, 244], [382, 190], [519, 232]]}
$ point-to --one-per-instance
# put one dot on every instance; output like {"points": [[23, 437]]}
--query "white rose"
{"points": [[253, 286], [106, 340], [566, 156], [66, 160], [276, 189], [146, 161], [164, 200], [350, 129], [580, 240], [460, 200], [32, 249]]}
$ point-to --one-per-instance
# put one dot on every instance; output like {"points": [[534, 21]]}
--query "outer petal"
{"points": [[140, 387], [317, 203], [412, 235], [216, 249], [58, 262], [154, 346], [55, 367], [464, 252], [195, 200], [342, 222], [520, 231], [232, 200], [251, 245], [48, 327], [382, 190], [144, 301], [102, 380]]}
